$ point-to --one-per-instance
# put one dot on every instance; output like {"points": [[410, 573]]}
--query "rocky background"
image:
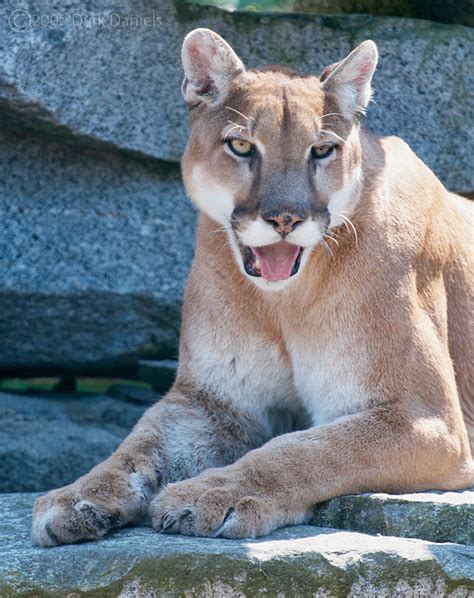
{"points": [[96, 234]]}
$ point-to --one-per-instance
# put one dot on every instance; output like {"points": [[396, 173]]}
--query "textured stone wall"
{"points": [[96, 235]]}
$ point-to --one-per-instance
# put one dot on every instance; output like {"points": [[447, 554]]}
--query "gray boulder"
{"points": [[300, 561], [49, 441], [435, 516], [94, 252]]}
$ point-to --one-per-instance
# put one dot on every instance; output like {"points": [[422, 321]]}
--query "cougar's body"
{"points": [[327, 332]]}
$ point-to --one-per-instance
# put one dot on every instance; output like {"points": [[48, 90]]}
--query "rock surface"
{"points": [[297, 561], [118, 83], [94, 252], [47, 442], [435, 516], [96, 236]]}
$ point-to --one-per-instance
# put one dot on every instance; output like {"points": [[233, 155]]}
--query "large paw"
{"points": [[63, 517], [217, 505], [89, 508]]}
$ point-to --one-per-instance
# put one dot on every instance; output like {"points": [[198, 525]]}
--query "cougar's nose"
{"points": [[283, 222]]}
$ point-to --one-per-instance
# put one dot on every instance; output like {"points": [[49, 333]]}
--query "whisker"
{"points": [[220, 230], [329, 114], [247, 118], [236, 126], [327, 247], [332, 239], [346, 225], [338, 137], [221, 226], [224, 246], [347, 221]]}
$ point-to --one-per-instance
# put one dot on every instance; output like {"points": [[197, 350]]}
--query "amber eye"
{"points": [[322, 151], [240, 147]]}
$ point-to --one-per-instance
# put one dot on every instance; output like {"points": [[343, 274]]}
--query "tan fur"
{"points": [[354, 375]]}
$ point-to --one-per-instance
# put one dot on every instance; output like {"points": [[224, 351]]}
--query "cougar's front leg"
{"points": [[175, 439], [278, 484]]}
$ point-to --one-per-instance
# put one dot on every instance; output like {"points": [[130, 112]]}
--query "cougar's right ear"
{"points": [[209, 65]]}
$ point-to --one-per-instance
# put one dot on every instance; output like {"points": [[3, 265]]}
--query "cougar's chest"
{"points": [[325, 381], [249, 371], [301, 374], [328, 358]]}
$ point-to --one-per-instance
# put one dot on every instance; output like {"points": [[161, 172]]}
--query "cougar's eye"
{"points": [[318, 152], [240, 147]]}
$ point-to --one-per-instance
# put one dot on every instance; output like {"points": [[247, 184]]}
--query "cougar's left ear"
{"points": [[350, 79], [209, 65]]}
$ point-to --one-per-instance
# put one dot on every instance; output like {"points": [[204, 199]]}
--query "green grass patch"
{"points": [[87, 385]]}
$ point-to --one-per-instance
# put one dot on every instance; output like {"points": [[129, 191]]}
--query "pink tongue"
{"points": [[277, 261]]}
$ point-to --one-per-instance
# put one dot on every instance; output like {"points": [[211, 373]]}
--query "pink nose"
{"points": [[283, 222]]}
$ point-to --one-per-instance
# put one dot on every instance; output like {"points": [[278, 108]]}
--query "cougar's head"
{"points": [[274, 157]]}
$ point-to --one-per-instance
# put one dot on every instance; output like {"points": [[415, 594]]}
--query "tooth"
{"points": [[257, 264]]}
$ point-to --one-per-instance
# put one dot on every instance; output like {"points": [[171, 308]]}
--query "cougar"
{"points": [[326, 343]]}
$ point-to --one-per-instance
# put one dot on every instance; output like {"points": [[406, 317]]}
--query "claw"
{"points": [[220, 529], [168, 523], [53, 537], [187, 515], [93, 519]]}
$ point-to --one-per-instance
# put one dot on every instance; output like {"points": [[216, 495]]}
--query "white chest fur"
{"points": [[325, 381], [253, 375], [250, 373]]}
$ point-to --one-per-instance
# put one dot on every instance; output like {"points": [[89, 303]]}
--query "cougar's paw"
{"points": [[63, 517], [213, 507]]}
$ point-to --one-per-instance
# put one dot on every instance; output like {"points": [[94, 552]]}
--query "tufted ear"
{"points": [[350, 79], [209, 65]]}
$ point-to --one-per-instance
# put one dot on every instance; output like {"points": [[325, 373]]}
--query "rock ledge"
{"points": [[297, 561]]}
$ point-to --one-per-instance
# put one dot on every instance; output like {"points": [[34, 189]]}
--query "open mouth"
{"points": [[274, 262]]}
